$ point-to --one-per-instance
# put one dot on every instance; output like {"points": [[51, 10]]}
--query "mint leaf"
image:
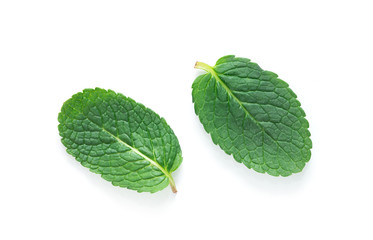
{"points": [[120, 139], [253, 115]]}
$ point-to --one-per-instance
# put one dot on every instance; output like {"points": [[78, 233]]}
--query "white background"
{"points": [[49, 50]]}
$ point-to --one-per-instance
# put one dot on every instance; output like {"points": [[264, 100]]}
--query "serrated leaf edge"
{"points": [[209, 69], [151, 161]]}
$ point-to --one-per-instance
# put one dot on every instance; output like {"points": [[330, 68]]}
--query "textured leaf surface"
{"points": [[253, 115], [125, 142]]}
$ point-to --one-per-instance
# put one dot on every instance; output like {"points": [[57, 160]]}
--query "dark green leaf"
{"points": [[253, 115], [120, 139]]}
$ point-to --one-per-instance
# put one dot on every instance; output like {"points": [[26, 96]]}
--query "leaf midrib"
{"points": [[138, 152], [151, 161], [211, 70]]}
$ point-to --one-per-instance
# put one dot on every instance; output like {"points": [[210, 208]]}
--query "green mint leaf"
{"points": [[253, 115], [120, 139]]}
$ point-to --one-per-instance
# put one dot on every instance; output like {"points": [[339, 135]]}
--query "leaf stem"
{"points": [[172, 184], [203, 66], [206, 67]]}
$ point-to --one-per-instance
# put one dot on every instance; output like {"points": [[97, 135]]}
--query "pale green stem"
{"points": [[204, 66]]}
